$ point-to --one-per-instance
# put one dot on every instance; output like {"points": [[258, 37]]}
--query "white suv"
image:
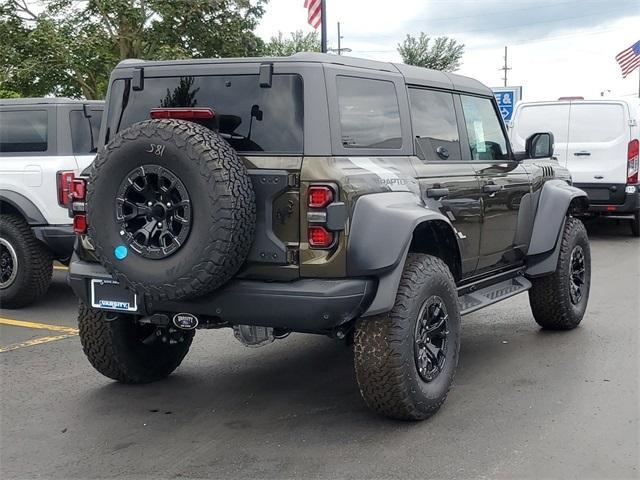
{"points": [[44, 143]]}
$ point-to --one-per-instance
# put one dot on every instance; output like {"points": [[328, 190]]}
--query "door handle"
{"points": [[437, 192], [582, 154], [491, 188]]}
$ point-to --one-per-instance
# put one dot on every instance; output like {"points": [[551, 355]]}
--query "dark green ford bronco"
{"points": [[371, 202]]}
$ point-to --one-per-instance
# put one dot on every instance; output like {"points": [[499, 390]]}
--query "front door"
{"points": [[504, 184], [445, 180]]}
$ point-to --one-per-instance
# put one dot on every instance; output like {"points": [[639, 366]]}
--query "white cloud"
{"points": [[555, 49]]}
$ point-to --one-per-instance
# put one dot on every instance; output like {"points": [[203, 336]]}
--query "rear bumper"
{"points": [[58, 238], [305, 305], [630, 206]]}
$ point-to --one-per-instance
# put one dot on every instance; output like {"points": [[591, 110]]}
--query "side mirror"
{"points": [[539, 145]]}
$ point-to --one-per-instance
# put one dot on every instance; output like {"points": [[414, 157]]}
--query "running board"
{"points": [[486, 296]]}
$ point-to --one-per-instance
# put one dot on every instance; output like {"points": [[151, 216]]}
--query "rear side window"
{"points": [[23, 131], [543, 118], [434, 125], [369, 113], [84, 131], [486, 138], [596, 122], [250, 118]]}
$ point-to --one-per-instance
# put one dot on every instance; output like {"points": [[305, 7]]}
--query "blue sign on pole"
{"points": [[507, 97]]}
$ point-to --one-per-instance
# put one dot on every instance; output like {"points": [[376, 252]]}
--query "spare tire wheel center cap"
{"points": [[153, 211]]}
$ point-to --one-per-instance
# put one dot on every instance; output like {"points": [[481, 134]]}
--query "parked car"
{"points": [[318, 194], [44, 142], [597, 140]]}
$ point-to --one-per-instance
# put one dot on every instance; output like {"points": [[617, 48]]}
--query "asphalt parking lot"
{"points": [[525, 403]]}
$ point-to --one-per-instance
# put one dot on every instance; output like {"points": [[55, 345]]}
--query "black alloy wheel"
{"points": [[153, 210], [577, 266], [430, 338], [8, 263]]}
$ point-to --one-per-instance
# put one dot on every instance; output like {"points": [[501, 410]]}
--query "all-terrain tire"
{"points": [[113, 344], [552, 303], [221, 204], [635, 225], [34, 263], [385, 350]]}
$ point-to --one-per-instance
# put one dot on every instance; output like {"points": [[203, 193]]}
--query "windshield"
{"points": [[250, 118]]}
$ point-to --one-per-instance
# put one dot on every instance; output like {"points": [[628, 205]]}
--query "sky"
{"points": [[555, 48]]}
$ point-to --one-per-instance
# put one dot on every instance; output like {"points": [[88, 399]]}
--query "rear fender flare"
{"points": [[23, 206], [381, 233]]}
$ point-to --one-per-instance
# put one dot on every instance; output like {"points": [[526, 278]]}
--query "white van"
{"points": [[597, 140]]}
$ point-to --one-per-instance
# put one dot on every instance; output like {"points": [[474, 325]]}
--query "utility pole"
{"points": [[339, 50], [506, 67]]}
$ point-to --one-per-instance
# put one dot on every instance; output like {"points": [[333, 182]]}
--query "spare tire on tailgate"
{"points": [[171, 209]]}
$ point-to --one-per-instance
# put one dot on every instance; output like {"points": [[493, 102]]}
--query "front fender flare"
{"points": [[556, 198]]}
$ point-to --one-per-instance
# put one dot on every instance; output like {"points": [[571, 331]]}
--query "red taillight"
{"points": [[320, 237], [633, 162], [65, 181], [183, 113], [320, 196], [79, 189], [80, 223]]}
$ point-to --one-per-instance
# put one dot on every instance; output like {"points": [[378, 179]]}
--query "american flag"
{"points": [[314, 17], [629, 59]]}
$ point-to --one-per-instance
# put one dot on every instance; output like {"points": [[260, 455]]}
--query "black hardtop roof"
{"points": [[48, 101], [413, 75]]}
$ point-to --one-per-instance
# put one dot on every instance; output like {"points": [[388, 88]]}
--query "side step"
{"points": [[486, 296]]}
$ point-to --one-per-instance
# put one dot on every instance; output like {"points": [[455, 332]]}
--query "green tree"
{"points": [[71, 46], [443, 54], [299, 42]]}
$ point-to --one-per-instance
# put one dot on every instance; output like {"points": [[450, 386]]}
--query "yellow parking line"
{"points": [[35, 341], [38, 326], [60, 267]]}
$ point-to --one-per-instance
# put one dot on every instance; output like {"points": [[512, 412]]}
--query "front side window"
{"points": [[23, 131], [249, 117], [434, 125], [369, 113], [486, 138], [84, 130]]}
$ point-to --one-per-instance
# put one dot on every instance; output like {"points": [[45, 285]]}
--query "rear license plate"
{"points": [[597, 194], [110, 295]]}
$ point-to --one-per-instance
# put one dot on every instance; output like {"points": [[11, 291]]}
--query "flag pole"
{"points": [[323, 27]]}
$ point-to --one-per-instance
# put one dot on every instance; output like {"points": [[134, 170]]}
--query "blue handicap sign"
{"points": [[506, 101]]}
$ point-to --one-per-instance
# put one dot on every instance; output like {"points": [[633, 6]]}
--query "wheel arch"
{"points": [[557, 201], [437, 237], [14, 203]]}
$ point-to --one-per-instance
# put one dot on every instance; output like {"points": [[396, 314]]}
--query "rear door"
{"points": [[599, 134], [542, 117], [440, 167]]}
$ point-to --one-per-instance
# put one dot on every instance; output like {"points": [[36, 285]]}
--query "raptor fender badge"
{"points": [[185, 321]]}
